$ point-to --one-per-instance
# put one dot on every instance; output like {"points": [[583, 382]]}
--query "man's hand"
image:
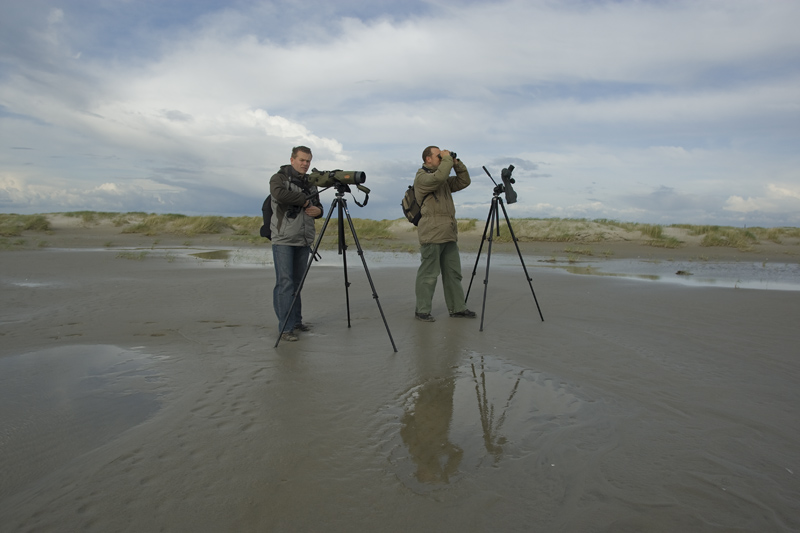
{"points": [[313, 211]]}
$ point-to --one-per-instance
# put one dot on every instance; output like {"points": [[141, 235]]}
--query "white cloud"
{"points": [[602, 96], [776, 198]]}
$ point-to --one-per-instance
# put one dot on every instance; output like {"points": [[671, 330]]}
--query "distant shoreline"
{"points": [[559, 239]]}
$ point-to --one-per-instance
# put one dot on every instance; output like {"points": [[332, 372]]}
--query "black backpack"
{"points": [[411, 209], [266, 211]]}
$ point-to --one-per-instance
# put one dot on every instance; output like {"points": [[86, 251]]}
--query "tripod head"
{"points": [[505, 187]]}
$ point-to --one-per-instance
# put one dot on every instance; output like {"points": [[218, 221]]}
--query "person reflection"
{"points": [[425, 432]]}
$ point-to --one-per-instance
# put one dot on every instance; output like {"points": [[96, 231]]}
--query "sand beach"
{"points": [[141, 389]]}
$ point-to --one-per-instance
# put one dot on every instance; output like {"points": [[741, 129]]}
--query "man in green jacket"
{"points": [[438, 233]]}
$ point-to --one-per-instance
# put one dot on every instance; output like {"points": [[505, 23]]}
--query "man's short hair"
{"points": [[304, 149], [427, 152]]}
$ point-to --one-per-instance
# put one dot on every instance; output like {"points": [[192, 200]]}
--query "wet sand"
{"points": [[146, 395]]}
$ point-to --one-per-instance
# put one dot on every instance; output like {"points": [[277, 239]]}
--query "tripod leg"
{"points": [[494, 219], [343, 253], [305, 274], [514, 238], [371, 284], [478, 258]]}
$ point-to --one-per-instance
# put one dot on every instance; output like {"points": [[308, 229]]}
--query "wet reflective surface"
{"points": [[59, 403], [147, 395], [486, 415], [763, 275], [742, 275]]}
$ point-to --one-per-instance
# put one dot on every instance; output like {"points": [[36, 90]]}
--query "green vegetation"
{"points": [[175, 224], [730, 237], [389, 235], [579, 231], [667, 242], [374, 232], [133, 256], [91, 218], [8, 244], [548, 230], [652, 231], [573, 230], [739, 238], [12, 225], [467, 225], [579, 251]]}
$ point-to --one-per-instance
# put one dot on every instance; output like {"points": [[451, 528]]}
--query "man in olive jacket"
{"points": [[295, 205], [438, 233]]}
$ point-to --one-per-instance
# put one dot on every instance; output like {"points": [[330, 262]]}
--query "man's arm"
{"points": [[428, 182], [461, 180], [282, 194]]}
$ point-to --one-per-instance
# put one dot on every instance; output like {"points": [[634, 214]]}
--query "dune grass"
{"points": [[731, 237], [468, 224], [12, 225], [574, 230], [92, 218], [381, 235], [547, 230], [740, 238], [375, 233], [183, 225], [582, 231], [133, 256]]}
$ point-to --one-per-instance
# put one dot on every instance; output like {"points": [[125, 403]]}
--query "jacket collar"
{"points": [[291, 172]]}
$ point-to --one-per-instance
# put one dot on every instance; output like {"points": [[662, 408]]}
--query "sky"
{"points": [[656, 111]]}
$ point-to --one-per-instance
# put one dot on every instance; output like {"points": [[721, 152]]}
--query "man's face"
{"points": [[301, 162], [434, 159]]}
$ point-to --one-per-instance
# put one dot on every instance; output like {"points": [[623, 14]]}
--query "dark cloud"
{"points": [[176, 116]]}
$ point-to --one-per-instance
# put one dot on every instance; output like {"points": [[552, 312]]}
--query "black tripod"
{"points": [[491, 221], [341, 204]]}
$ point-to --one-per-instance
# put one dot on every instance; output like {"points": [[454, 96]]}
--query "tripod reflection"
{"points": [[493, 441], [439, 429]]}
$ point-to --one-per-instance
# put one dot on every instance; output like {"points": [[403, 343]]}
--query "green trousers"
{"points": [[440, 259]]}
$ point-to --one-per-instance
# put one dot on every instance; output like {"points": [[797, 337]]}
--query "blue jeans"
{"points": [[290, 265]]}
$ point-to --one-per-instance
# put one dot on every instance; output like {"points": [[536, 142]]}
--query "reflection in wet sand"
{"points": [[488, 410], [425, 432], [493, 440]]}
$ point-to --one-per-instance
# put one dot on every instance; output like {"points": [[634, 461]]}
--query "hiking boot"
{"points": [[289, 336], [425, 317], [466, 313], [302, 327]]}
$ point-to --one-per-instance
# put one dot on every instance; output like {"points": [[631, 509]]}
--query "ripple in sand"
{"points": [[60, 403]]}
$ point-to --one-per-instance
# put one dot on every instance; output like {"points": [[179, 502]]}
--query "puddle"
{"points": [[739, 275], [60, 403], [215, 255], [485, 415]]}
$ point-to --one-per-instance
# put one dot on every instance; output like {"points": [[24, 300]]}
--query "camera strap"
{"points": [[366, 195]]}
